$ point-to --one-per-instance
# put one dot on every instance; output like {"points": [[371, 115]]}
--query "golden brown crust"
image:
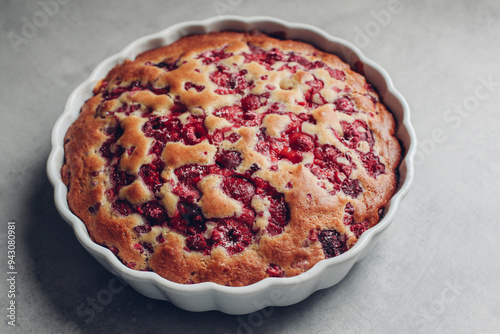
{"points": [[108, 145]]}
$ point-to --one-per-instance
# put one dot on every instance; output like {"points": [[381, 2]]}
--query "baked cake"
{"points": [[230, 157]]}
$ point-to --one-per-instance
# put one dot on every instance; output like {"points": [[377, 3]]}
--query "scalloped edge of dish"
{"points": [[270, 291]]}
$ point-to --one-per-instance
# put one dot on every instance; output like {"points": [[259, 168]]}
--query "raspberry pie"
{"points": [[230, 157]]}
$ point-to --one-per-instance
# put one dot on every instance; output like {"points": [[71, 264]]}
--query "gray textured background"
{"points": [[435, 270]]}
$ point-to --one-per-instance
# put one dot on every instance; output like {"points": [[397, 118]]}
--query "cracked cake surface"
{"points": [[230, 157]]}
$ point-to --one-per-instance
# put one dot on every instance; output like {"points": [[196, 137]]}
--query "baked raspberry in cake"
{"points": [[230, 157]]}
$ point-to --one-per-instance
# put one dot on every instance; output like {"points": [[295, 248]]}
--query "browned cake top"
{"points": [[230, 157]]}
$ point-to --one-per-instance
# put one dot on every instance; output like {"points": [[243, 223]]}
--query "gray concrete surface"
{"points": [[436, 269]]}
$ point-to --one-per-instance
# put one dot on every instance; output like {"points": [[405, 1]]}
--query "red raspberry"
{"points": [[228, 159], [198, 88], [234, 137], [142, 229], [194, 133], [345, 105], [150, 174], [336, 73], [239, 189], [190, 219], [123, 207], [197, 243], [163, 129], [279, 215], [301, 142], [154, 212], [229, 83], [275, 271], [247, 216], [359, 228], [232, 235], [372, 164], [348, 214], [352, 187], [214, 56], [190, 174], [332, 242], [250, 102]]}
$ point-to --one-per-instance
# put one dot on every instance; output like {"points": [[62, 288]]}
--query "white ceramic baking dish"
{"points": [[270, 291]]}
